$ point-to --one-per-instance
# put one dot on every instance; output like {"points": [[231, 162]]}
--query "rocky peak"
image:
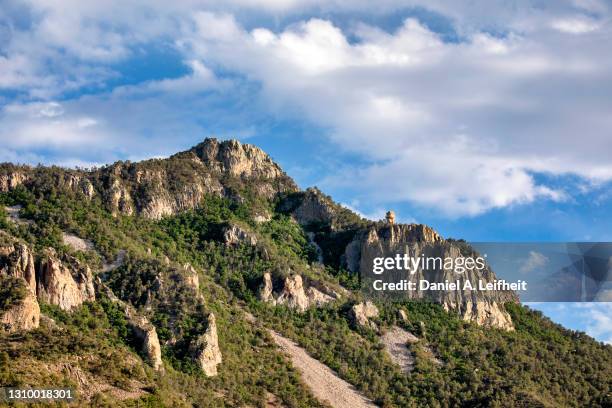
{"points": [[237, 160]]}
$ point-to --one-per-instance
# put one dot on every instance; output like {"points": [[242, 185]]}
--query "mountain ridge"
{"points": [[176, 253]]}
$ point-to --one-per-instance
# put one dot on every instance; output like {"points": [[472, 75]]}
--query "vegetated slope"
{"points": [[238, 242]]}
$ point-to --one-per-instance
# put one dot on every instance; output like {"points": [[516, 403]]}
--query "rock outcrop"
{"points": [[17, 266], [206, 351], [294, 295], [141, 327], [11, 177], [16, 260], [66, 286], [234, 235], [361, 313], [191, 277], [24, 313], [314, 207], [485, 308], [265, 292], [146, 334]]}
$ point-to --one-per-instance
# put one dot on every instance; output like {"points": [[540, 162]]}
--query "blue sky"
{"points": [[489, 121]]}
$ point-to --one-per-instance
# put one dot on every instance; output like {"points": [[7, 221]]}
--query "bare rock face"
{"points": [[362, 312], [265, 292], [485, 308], [483, 312], [10, 179], [16, 260], [146, 333], [206, 349], [17, 264], [142, 328], [191, 277], [23, 315], [293, 294], [235, 235], [314, 207], [64, 285], [237, 160]]}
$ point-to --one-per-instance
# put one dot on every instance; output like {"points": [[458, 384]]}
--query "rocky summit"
{"points": [[208, 278]]}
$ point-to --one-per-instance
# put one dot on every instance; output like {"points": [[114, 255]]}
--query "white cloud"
{"points": [[599, 318], [458, 126], [575, 25], [534, 261]]}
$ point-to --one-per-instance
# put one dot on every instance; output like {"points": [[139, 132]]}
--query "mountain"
{"points": [[201, 278]]}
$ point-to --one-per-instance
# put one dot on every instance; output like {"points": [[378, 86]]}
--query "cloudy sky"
{"points": [[487, 120]]}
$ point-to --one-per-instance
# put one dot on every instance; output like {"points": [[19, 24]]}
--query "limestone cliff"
{"points": [[62, 284], [22, 315], [383, 240], [206, 351], [18, 280], [144, 331], [16, 260]]}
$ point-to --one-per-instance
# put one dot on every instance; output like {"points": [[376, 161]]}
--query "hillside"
{"points": [[165, 283]]}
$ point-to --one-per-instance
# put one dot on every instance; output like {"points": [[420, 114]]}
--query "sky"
{"points": [[488, 120]]}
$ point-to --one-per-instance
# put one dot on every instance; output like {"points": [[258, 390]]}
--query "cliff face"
{"points": [[206, 349], [484, 308], [23, 315], [17, 267], [63, 285]]}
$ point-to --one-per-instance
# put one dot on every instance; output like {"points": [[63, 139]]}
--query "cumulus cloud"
{"points": [[459, 126], [462, 126]]}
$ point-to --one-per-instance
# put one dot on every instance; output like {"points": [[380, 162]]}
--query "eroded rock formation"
{"points": [[66, 286], [206, 349], [485, 308], [22, 315], [361, 313], [294, 295], [234, 235]]}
